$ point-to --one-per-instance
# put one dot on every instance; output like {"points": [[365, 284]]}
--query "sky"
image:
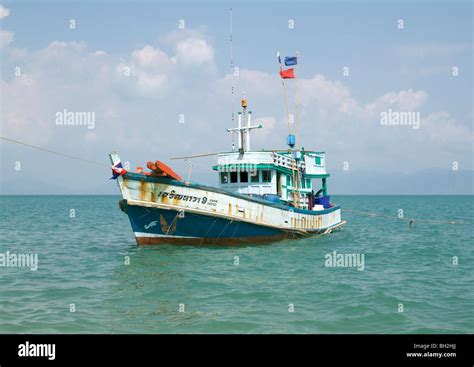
{"points": [[157, 77]]}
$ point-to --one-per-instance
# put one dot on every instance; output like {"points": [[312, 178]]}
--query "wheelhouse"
{"points": [[283, 176], [271, 174]]}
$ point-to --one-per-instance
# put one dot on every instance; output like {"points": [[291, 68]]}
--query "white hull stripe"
{"points": [[153, 235]]}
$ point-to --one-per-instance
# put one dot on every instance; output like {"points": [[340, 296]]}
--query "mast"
{"points": [[297, 153], [232, 73], [292, 140], [296, 100], [244, 130]]}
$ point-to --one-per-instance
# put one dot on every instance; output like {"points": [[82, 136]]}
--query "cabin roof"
{"points": [[280, 151]]}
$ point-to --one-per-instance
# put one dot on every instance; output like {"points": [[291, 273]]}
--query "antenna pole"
{"points": [[296, 99], [232, 72], [293, 176], [243, 128], [298, 178], [286, 104], [239, 129]]}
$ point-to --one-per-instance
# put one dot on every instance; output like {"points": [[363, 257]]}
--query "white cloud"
{"points": [[16, 53], [4, 12], [147, 72], [138, 113], [192, 47], [150, 85], [150, 57], [404, 100], [442, 129], [152, 73], [57, 48], [194, 51], [6, 38], [254, 82], [328, 97]]}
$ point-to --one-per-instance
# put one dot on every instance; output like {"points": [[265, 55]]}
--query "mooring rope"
{"points": [[208, 230], [89, 161], [409, 219], [54, 152], [225, 227]]}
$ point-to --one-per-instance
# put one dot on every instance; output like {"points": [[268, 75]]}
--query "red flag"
{"points": [[287, 74]]}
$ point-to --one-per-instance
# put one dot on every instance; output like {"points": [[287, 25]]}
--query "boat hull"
{"points": [[165, 211], [154, 225]]}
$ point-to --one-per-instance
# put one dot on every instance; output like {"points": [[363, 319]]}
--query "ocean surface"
{"points": [[416, 278]]}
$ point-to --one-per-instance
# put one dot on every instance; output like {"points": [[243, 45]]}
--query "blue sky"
{"points": [[186, 71]]}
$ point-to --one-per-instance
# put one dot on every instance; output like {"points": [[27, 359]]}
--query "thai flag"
{"points": [[117, 170]]}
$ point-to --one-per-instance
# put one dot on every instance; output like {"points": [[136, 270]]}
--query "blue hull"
{"points": [[155, 226]]}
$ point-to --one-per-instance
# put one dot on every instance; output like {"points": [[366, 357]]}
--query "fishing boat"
{"points": [[263, 196]]}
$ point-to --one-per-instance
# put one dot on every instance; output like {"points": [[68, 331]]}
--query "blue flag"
{"points": [[290, 60]]}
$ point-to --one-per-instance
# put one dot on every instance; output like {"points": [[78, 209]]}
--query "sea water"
{"points": [[90, 276]]}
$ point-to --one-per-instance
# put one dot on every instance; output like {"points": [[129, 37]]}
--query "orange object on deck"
{"points": [[160, 169], [151, 166]]}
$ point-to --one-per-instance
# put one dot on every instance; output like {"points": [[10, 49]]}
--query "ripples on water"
{"points": [[81, 262]]}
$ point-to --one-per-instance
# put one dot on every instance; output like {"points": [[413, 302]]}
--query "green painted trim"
{"points": [[300, 190]]}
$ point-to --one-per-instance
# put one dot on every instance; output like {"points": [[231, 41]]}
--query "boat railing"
{"points": [[287, 162]]}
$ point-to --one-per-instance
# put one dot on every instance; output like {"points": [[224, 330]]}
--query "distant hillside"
{"points": [[425, 182]]}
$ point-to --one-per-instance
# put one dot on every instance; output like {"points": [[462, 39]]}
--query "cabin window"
{"points": [[266, 176], [303, 184], [244, 177], [233, 177], [308, 183], [254, 177], [318, 160], [224, 178], [288, 180]]}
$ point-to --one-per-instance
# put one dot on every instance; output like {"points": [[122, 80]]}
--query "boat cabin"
{"points": [[273, 175], [283, 176]]}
